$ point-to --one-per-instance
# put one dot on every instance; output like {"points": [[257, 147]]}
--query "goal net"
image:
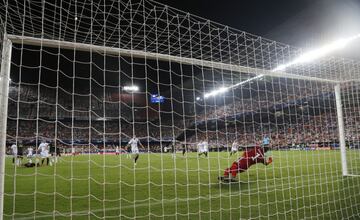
{"points": [[133, 109]]}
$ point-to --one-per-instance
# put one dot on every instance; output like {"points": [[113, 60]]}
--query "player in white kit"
{"points": [[73, 152], [30, 154], [17, 156], [234, 148], [14, 151], [44, 152], [203, 148], [134, 142], [117, 151]]}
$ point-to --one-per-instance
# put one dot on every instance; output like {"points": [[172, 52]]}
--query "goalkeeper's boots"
{"points": [[226, 179]]}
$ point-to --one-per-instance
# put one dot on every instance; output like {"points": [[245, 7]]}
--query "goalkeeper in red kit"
{"points": [[250, 157]]}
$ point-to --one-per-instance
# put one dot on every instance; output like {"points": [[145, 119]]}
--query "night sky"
{"points": [[301, 23]]}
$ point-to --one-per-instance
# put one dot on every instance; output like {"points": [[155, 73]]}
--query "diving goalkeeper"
{"points": [[250, 157]]}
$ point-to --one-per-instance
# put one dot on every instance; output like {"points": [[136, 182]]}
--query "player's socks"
{"points": [[136, 158], [47, 161], [13, 160]]}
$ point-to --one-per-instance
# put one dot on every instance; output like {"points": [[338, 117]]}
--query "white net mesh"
{"points": [[86, 78]]}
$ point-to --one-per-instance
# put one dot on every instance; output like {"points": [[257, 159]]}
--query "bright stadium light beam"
{"points": [[216, 92], [318, 53], [225, 89], [131, 88], [306, 57], [246, 81]]}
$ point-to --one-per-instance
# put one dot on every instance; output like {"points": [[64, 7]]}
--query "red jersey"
{"points": [[253, 156], [249, 158]]}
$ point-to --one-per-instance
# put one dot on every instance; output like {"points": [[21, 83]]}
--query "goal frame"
{"points": [[8, 40], [4, 92]]}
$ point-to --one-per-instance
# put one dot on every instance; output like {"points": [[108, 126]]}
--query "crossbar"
{"points": [[156, 56]]}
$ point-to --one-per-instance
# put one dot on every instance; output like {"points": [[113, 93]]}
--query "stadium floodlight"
{"points": [[131, 88], [216, 92], [318, 53], [101, 119], [225, 89], [198, 98]]}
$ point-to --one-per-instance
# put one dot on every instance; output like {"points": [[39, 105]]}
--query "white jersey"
{"points": [[117, 150], [14, 149], [134, 145], [44, 149], [200, 147], [29, 152], [205, 146], [234, 147]]}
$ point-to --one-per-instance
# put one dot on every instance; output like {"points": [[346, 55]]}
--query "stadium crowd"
{"points": [[28, 125], [281, 94]]}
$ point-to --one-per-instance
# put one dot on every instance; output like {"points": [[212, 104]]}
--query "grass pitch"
{"points": [[298, 185]]}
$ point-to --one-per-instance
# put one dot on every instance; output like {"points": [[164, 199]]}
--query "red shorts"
{"points": [[239, 166]]}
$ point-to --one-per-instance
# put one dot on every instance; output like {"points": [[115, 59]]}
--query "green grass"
{"points": [[297, 185]]}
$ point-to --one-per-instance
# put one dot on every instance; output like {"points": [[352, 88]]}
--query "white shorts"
{"points": [[14, 154], [134, 151], [29, 155], [203, 151], [44, 154], [234, 149]]}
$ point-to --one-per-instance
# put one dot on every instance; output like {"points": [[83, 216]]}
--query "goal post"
{"points": [[4, 91], [340, 118], [190, 61]]}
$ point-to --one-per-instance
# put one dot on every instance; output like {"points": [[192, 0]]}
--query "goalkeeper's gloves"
{"points": [[269, 161]]}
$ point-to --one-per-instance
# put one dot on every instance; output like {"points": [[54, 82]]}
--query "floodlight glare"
{"points": [[225, 89], [215, 92], [131, 88], [318, 53], [246, 81]]}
